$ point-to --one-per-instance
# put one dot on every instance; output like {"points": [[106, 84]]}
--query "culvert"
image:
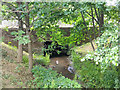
{"points": [[53, 50]]}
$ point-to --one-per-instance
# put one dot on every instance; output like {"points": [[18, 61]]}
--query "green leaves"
{"points": [[23, 39], [19, 33], [47, 78], [14, 33]]}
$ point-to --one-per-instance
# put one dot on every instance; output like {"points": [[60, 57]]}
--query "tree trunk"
{"points": [[30, 54], [101, 21], [20, 51], [30, 43]]}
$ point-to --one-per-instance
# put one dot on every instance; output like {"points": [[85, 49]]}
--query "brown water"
{"points": [[62, 66]]}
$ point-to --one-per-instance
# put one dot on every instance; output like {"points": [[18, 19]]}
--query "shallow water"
{"points": [[62, 66]]}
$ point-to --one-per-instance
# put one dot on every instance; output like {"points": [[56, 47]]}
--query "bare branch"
{"points": [[96, 13]]}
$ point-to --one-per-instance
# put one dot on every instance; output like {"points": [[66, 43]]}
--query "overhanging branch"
{"points": [[13, 10], [91, 16]]}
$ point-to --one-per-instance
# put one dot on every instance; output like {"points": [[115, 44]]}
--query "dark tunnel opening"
{"points": [[54, 49]]}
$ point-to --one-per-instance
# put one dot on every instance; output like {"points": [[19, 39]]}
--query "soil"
{"points": [[14, 75]]}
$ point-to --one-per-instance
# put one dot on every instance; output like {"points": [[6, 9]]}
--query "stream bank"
{"points": [[64, 62]]}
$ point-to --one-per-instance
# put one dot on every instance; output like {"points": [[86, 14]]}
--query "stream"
{"points": [[61, 64]]}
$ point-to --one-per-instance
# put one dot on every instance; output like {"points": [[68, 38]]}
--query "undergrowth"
{"points": [[47, 78]]}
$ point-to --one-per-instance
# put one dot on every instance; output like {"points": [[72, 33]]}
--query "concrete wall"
{"points": [[37, 46], [8, 39]]}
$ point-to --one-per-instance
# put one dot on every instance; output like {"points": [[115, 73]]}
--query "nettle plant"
{"points": [[23, 39], [99, 69]]}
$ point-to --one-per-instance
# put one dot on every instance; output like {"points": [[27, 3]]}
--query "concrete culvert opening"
{"points": [[59, 62]]}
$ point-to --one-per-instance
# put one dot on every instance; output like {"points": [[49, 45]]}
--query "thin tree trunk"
{"points": [[20, 50], [98, 18], [20, 53], [96, 13], [99, 27], [30, 53], [93, 21], [30, 43], [88, 32], [101, 21]]}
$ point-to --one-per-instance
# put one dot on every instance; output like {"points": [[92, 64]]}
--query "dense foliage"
{"points": [[43, 18], [47, 78], [97, 69], [100, 68]]}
